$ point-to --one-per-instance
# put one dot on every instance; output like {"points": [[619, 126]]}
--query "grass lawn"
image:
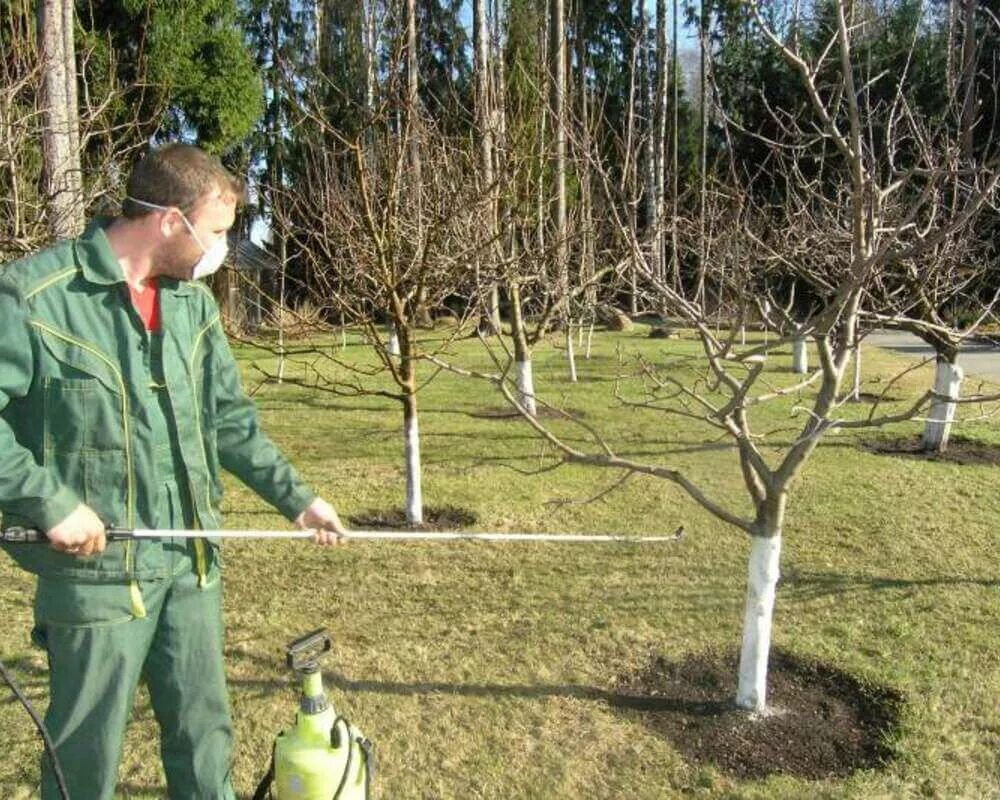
{"points": [[483, 671]]}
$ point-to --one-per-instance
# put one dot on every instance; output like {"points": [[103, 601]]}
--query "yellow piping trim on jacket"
{"points": [[50, 281], [199, 544], [137, 605]]}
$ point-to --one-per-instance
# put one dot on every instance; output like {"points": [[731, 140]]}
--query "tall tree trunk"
{"points": [[558, 77], [587, 238], [61, 124], [485, 127], [675, 258], [631, 160], [541, 215], [415, 133], [700, 296], [968, 79], [660, 136], [650, 169]]}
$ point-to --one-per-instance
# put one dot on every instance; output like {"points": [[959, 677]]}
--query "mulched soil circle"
{"points": [[822, 722], [959, 450], [442, 518], [508, 413]]}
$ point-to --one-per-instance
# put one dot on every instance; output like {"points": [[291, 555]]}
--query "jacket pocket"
{"points": [[81, 415]]}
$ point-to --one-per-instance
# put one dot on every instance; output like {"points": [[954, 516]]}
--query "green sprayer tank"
{"points": [[322, 757]]}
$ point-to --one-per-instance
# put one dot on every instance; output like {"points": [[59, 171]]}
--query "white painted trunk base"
{"points": [[526, 387], [800, 357], [947, 382], [394, 345], [590, 340], [856, 391], [762, 578], [414, 493], [570, 354]]}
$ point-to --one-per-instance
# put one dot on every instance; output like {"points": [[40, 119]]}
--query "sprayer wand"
{"points": [[116, 534]]}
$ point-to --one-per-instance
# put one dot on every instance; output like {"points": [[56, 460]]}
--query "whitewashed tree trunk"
{"points": [[947, 383], [570, 353], [394, 344], [522, 352], [762, 579], [800, 356], [590, 339], [856, 389], [282, 313], [526, 387], [414, 493]]}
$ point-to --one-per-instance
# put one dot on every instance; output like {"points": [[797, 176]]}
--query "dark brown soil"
{"points": [[506, 412], [443, 518], [822, 723], [959, 450]]}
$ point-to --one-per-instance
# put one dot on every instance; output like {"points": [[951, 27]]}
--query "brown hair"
{"points": [[177, 175]]}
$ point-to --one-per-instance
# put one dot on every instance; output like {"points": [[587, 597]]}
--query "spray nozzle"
{"points": [[304, 653]]}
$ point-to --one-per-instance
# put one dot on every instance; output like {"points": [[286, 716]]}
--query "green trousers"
{"points": [[98, 652]]}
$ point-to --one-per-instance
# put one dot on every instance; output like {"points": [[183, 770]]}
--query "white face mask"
{"points": [[211, 257]]}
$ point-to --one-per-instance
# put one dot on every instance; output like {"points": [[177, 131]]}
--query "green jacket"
{"points": [[74, 362]]}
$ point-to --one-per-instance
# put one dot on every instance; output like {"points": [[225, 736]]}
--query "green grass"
{"points": [[478, 669]]}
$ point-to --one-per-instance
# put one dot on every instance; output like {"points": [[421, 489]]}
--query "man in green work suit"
{"points": [[119, 402]]}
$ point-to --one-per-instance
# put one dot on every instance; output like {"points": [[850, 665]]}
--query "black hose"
{"points": [[49, 747]]}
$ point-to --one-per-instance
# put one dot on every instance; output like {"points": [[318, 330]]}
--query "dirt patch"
{"points": [[824, 723], [506, 412], [443, 518], [959, 451]]}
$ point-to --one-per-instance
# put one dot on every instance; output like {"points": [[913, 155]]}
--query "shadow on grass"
{"points": [[339, 681], [809, 585]]}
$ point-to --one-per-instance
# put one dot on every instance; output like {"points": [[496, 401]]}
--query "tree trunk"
{"points": [[631, 159], [762, 579], [856, 389], [522, 353], [660, 138], [61, 124], [485, 125], [570, 352], [675, 258], [415, 121], [411, 433], [947, 383], [558, 78], [800, 355]]}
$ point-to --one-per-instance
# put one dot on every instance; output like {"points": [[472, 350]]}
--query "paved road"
{"points": [[975, 359]]}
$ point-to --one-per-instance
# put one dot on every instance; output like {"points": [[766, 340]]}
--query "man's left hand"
{"points": [[321, 518]]}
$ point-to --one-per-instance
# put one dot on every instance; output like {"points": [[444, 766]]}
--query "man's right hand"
{"points": [[81, 533]]}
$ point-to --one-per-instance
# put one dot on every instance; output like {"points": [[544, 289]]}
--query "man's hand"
{"points": [[322, 519], [81, 533]]}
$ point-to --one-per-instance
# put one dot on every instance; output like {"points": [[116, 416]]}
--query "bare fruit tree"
{"points": [[816, 264], [378, 259]]}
